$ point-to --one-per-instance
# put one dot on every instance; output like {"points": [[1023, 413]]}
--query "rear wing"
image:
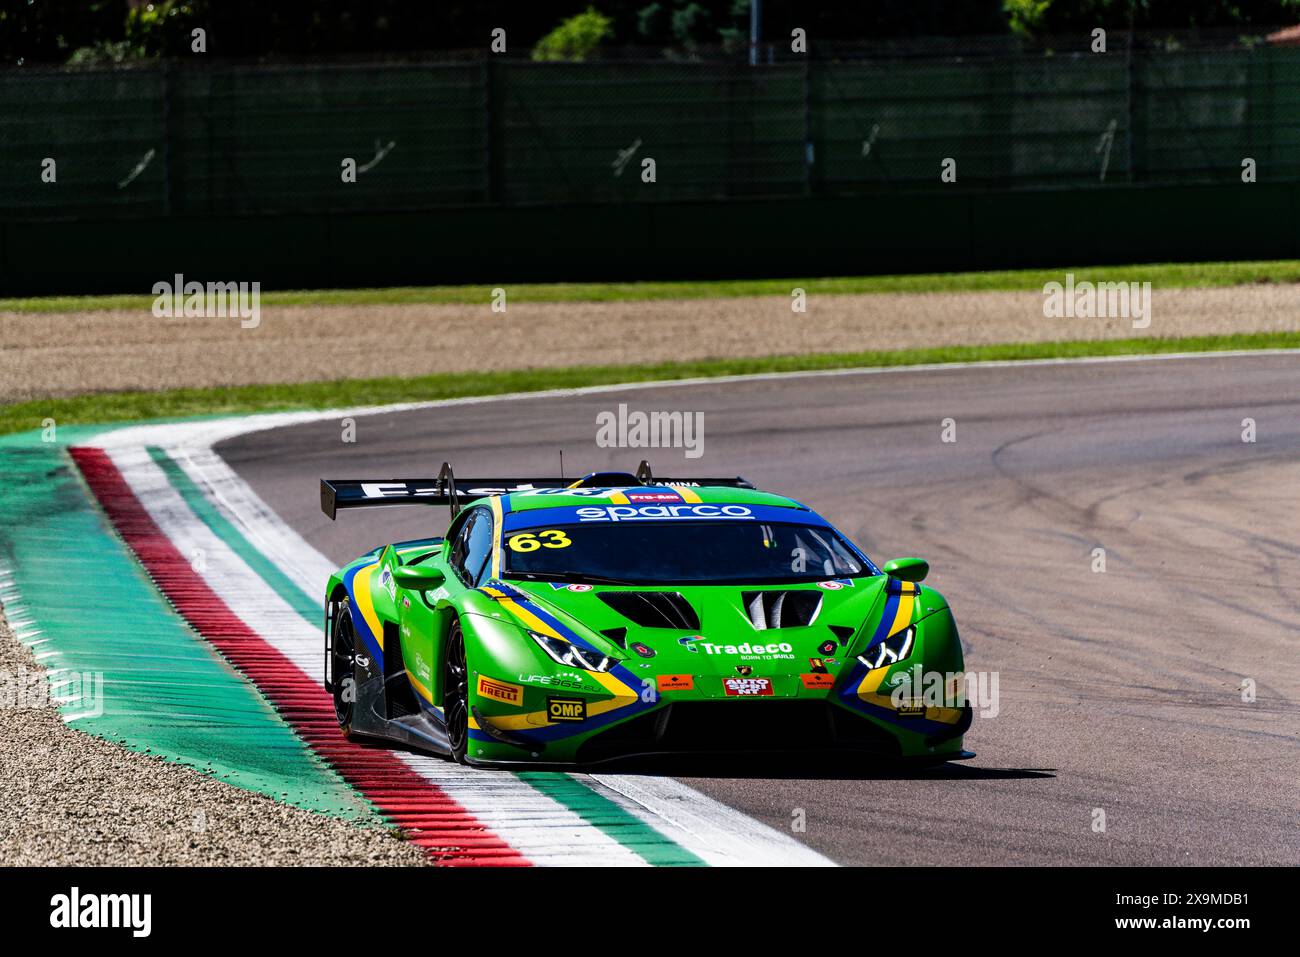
{"points": [[446, 489]]}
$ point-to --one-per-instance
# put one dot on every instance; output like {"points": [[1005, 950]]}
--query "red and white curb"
{"points": [[432, 819]]}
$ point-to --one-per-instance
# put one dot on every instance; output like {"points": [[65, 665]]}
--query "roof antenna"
{"points": [[561, 463]]}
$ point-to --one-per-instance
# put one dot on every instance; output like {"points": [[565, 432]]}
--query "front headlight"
{"points": [[573, 656], [892, 649]]}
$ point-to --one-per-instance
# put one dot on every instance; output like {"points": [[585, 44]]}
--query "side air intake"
{"points": [[781, 609], [653, 609]]}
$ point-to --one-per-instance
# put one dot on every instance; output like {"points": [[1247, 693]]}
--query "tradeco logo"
{"points": [[777, 649], [635, 513]]}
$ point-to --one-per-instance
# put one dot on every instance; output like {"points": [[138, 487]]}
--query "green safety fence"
{"points": [[190, 139]]}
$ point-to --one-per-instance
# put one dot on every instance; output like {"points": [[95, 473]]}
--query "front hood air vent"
{"points": [[653, 609], [616, 635], [843, 633], [781, 609]]}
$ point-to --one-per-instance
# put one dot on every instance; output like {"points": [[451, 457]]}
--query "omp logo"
{"points": [[74, 910], [566, 709], [502, 691], [636, 513]]}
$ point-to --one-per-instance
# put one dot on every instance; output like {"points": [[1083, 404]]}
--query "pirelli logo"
{"points": [[502, 691], [566, 709]]}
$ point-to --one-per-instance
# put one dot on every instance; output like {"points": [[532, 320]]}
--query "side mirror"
{"points": [[905, 569], [418, 577]]}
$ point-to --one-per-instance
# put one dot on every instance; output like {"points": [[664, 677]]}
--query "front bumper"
{"points": [[807, 725]]}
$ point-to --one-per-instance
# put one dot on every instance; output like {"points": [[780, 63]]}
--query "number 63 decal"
{"points": [[531, 541]]}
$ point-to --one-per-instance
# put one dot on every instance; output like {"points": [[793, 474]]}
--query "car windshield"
{"points": [[681, 552]]}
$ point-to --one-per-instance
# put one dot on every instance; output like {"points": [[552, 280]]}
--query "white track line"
{"points": [[243, 591], [255, 520], [722, 835]]}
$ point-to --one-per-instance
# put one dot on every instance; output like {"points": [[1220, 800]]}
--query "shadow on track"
{"points": [[832, 767]]}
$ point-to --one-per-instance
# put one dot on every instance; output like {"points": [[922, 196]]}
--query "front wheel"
{"points": [[343, 667], [455, 700]]}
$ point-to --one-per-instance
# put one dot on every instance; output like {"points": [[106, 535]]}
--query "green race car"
{"points": [[563, 622]]}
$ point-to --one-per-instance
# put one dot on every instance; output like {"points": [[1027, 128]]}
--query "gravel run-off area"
{"points": [[73, 799], [49, 354]]}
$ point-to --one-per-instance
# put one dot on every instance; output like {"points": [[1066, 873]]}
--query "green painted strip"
{"points": [[165, 690], [208, 513], [593, 808], [604, 814]]}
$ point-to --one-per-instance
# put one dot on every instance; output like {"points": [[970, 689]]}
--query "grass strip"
{"points": [[109, 407], [1160, 275]]}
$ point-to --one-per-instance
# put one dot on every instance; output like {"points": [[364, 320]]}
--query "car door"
{"points": [[423, 616], [426, 618]]}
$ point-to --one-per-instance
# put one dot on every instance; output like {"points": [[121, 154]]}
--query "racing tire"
{"points": [[455, 702], [343, 667]]}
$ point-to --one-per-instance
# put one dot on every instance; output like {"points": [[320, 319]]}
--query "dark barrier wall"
{"points": [[498, 170], [772, 238]]}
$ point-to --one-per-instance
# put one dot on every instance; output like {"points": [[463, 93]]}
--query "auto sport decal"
{"points": [[747, 687]]}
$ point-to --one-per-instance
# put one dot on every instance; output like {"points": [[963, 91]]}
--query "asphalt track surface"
{"points": [[1119, 691]]}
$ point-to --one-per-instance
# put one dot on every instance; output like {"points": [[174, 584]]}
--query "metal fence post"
{"points": [[491, 140], [166, 79], [809, 154], [1131, 89]]}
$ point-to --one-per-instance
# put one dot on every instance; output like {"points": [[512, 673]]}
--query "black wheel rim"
{"points": [[456, 702], [343, 668]]}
